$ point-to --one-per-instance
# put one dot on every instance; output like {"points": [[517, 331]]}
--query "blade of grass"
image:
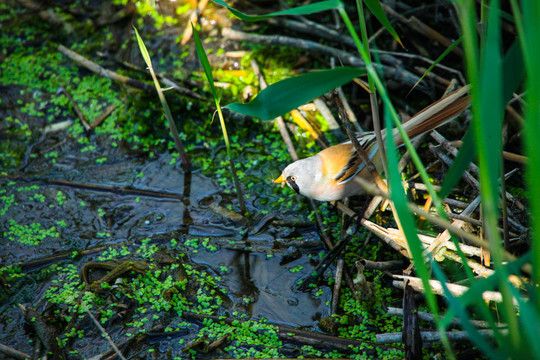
{"points": [[514, 70], [458, 308], [377, 10], [408, 225], [529, 31], [513, 76], [201, 53], [437, 61], [465, 156], [372, 88], [488, 128], [488, 108], [186, 163], [301, 10]]}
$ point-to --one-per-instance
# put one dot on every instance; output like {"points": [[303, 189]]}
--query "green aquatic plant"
{"points": [[208, 71], [172, 126]]}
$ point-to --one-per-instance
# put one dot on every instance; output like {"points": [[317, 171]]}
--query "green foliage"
{"points": [[168, 115]]}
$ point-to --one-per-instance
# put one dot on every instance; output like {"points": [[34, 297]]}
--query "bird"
{"points": [[330, 175]]}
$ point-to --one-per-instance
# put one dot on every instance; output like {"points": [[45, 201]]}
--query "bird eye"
{"points": [[291, 181]]}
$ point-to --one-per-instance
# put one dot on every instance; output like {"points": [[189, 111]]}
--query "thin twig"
{"points": [[329, 118], [104, 115], [383, 265], [76, 108], [472, 167], [90, 65], [337, 285], [104, 333], [423, 29]]}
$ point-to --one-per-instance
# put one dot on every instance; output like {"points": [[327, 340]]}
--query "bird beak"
{"points": [[280, 180]]}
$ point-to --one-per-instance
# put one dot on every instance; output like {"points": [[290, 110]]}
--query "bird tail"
{"points": [[435, 115]]}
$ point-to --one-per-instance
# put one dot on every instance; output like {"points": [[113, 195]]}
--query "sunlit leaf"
{"points": [[288, 94], [143, 49]]}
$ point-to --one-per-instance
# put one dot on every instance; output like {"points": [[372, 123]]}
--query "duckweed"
{"points": [[31, 234]]}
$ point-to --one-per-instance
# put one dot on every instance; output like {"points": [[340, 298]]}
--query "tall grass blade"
{"points": [[286, 95], [201, 53], [513, 73], [529, 34], [486, 76], [376, 9], [513, 70], [466, 154], [458, 307], [301, 10], [408, 225], [186, 163], [438, 60]]}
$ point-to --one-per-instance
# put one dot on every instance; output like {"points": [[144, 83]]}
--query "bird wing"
{"points": [[339, 162]]}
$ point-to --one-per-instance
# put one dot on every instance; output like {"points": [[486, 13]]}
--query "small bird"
{"points": [[329, 175]]}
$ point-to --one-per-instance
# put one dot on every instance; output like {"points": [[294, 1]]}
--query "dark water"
{"points": [[74, 204]]}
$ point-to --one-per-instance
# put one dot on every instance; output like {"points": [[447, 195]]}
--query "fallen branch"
{"points": [[436, 287], [16, 354], [101, 71], [432, 318], [432, 336]]}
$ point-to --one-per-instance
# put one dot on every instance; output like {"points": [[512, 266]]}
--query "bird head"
{"points": [[302, 176]]}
